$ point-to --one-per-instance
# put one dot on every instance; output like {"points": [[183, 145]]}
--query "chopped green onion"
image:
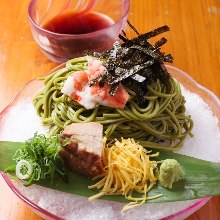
{"points": [[24, 169], [38, 158]]}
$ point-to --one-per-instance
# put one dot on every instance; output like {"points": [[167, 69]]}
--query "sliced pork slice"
{"points": [[83, 154]]}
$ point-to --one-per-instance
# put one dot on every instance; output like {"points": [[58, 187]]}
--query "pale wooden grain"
{"points": [[193, 41]]}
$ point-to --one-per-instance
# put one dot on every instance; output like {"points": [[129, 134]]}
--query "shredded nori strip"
{"points": [[135, 63]]}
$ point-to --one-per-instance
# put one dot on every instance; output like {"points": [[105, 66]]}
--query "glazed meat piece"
{"points": [[83, 153]]}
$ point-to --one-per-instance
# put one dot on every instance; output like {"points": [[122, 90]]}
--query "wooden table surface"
{"points": [[193, 41]]}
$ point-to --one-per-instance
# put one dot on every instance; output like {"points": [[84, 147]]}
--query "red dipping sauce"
{"points": [[82, 23], [71, 34], [66, 29]]}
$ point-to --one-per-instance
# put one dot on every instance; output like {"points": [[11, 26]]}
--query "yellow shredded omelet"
{"points": [[127, 168]]}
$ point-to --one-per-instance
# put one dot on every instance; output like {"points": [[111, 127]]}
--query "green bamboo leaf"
{"points": [[7, 151], [202, 178]]}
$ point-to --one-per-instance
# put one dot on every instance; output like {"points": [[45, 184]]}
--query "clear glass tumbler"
{"points": [[60, 47]]}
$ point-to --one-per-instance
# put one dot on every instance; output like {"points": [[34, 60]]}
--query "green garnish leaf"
{"points": [[201, 180]]}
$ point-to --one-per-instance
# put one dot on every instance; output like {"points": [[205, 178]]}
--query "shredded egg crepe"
{"points": [[127, 169]]}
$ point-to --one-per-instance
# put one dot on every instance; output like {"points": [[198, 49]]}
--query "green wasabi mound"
{"points": [[170, 172]]}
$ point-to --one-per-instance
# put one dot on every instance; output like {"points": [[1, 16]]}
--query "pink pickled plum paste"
{"points": [[77, 87]]}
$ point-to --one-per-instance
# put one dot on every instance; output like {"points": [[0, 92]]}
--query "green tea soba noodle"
{"points": [[161, 124]]}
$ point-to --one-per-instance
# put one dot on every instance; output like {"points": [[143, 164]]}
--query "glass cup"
{"points": [[59, 47]]}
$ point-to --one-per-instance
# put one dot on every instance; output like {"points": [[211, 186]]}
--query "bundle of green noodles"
{"points": [[154, 115], [161, 124]]}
